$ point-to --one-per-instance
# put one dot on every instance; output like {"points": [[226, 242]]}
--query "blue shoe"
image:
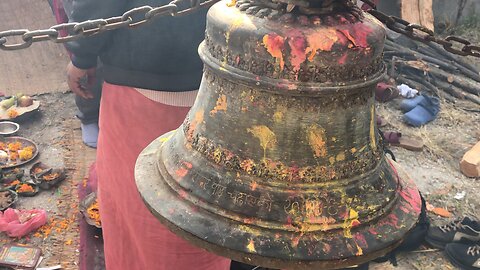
{"points": [[90, 134], [408, 104], [426, 111]]}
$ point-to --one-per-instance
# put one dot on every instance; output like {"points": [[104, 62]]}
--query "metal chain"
{"points": [[453, 44], [142, 15], [132, 18]]}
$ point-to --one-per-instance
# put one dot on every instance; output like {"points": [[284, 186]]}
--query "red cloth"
{"points": [[134, 238]]}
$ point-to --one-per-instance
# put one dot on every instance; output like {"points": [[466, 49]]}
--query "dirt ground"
{"points": [[436, 169], [57, 133]]}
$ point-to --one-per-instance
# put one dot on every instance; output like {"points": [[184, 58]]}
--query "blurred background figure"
{"points": [[88, 106]]}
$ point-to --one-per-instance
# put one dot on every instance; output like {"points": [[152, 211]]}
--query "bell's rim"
{"points": [[244, 242]]}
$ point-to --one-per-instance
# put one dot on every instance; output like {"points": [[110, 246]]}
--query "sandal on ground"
{"points": [[381, 122], [396, 139]]}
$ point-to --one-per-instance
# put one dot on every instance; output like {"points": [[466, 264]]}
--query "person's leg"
{"points": [[88, 111]]}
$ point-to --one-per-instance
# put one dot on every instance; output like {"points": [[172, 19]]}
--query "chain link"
{"points": [[145, 14], [132, 18], [453, 44]]}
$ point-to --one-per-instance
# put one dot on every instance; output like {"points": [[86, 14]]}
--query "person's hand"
{"points": [[81, 81]]}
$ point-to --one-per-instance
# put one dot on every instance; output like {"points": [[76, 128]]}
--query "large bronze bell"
{"points": [[279, 163]]}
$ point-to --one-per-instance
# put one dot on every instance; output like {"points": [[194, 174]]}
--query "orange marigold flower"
{"points": [[50, 176], [14, 183], [12, 113], [25, 188], [26, 153], [94, 213], [13, 156], [14, 146]]}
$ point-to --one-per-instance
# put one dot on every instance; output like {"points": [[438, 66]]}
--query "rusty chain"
{"points": [[141, 15], [453, 44], [132, 18]]}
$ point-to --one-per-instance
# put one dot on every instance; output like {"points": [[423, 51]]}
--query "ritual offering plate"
{"points": [[51, 178], [8, 176], [26, 189], [7, 199], [18, 107], [90, 210], [16, 151], [11, 185], [38, 169], [45, 176]]}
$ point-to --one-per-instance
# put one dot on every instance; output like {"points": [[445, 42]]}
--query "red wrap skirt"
{"points": [[134, 238]]}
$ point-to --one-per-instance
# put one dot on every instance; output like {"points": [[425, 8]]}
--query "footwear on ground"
{"points": [[465, 230], [464, 256]]}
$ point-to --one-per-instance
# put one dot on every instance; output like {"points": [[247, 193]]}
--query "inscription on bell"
{"points": [[218, 191]]}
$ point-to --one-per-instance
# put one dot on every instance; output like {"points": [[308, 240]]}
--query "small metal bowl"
{"points": [[8, 128]]}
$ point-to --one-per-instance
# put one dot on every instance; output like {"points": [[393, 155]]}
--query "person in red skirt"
{"points": [[151, 75]]}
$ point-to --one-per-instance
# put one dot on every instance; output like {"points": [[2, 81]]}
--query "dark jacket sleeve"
{"points": [[86, 50]]}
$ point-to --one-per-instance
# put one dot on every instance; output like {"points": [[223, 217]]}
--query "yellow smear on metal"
{"points": [[321, 224], [348, 223], [320, 40], [278, 117], [316, 139], [165, 139], [249, 230], [359, 251], [353, 150], [331, 160], [235, 24], [232, 3], [341, 157], [266, 137], [372, 128], [217, 155], [220, 106], [251, 246]]}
